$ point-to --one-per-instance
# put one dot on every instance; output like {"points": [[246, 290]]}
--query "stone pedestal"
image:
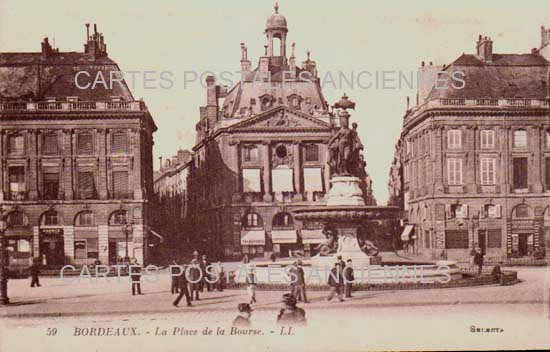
{"points": [[345, 191]]}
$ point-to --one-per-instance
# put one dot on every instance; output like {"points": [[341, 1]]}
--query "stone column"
{"points": [[266, 171], [103, 243], [299, 195], [438, 159], [135, 163], [2, 165], [326, 167], [32, 172], [68, 243], [102, 169], [35, 242], [535, 137], [138, 242], [233, 161], [67, 172]]}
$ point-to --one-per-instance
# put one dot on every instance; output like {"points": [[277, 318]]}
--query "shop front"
{"points": [[522, 239], [51, 246], [253, 242], [19, 248], [285, 243]]}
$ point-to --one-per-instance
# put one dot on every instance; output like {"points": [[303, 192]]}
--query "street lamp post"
{"points": [[4, 300], [127, 229]]}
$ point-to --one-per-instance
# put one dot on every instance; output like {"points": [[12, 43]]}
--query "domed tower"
{"points": [[276, 28]]}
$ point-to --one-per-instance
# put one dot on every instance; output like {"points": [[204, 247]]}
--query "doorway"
{"points": [[52, 250], [482, 241], [112, 252]]}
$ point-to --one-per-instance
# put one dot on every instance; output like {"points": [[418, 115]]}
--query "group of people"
{"points": [[190, 279], [476, 259], [290, 313], [341, 279]]}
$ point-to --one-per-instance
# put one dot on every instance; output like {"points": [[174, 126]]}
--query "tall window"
{"points": [[547, 176], [547, 139], [488, 171], [250, 153], [85, 218], [50, 184], [49, 144], [282, 220], [120, 184], [16, 144], [487, 139], [85, 143], [252, 220], [312, 152], [454, 139], [520, 173], [119, 142], [16, 175], [51, 217], [520, 138], [86, 185], [454, 171]]}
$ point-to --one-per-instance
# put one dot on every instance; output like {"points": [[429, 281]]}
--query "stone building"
{"points": [[170, 217], [472, 166], [260, 153], [76, 163]]}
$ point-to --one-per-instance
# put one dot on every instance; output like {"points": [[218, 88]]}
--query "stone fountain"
{"points": [[345, 217]]}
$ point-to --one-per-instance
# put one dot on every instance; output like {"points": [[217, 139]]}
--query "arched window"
{"points": [[17, 218], [283, 220], [252, 220], [522, 211], [520, 138], [119, 217], [50, 218], [85, 218]]}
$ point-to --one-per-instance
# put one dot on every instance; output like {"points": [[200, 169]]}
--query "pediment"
{"points": [[281, 118]]}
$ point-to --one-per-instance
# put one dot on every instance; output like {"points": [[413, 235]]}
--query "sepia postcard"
{"points": [[247, 175]]}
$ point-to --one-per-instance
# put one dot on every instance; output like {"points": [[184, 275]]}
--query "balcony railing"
{"points": [[74, 106], [477, 103]]}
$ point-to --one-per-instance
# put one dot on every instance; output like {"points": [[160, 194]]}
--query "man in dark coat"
{"points": [[336, 282], [243, 319], [478, 260], [174, 271], [35, 271], [135, 276], [183, 290], [349, 277], [290, 314], [300, 286], [194, 278], [204, 264]]}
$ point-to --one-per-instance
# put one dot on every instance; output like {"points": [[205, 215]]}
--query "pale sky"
{"points": [[343, 36]]}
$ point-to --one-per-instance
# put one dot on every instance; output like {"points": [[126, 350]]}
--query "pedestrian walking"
{"points": [[135, 277], [174, 270], [182, 283], [251, 285], [194, 279], [220, 283], [342, 262], [35, 272], [245, 259], [498, 274], [472, 258], [204, 266], [348, 278], [243, 319], [336, 282], [478, 260], [291, 314], [300, 287]]}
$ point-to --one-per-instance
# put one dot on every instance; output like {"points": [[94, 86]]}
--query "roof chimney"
{"points": [[484, 48], [46, 48], [95, 44]]}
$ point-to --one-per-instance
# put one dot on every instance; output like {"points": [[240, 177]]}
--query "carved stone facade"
{"points": [[259, 154], [75, 166], [472, 166]]}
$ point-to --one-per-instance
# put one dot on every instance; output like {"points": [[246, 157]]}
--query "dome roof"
{"points": [[276, 21]]}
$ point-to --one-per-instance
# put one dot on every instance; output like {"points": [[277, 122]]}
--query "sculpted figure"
{"points": [[331, 245]]}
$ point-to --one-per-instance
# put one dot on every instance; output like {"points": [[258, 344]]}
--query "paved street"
{"points": [[368, 316]]}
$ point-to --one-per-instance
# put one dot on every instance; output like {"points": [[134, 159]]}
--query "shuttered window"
{"points": [[488, 171], [520, 173], [16, 175], [454, 171], [119, 143], [454, 139], [49, 144], [85, 218], [50, 184], [494, 238], [456, 239], [312, 152], [85, 143], [520, 139], [120, 184], [86, 185], [487, 139], [16, 144]]}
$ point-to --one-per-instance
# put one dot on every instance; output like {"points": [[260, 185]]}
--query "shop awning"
{"points": [[161, 238], [253, 238], [313, 236], [405, 236], [284, 236]]}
